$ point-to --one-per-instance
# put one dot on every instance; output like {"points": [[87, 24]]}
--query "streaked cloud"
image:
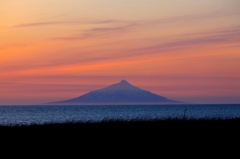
{"points": [[227, 35], [185, 41], [97, 32], [146, 24], [47, 23]]}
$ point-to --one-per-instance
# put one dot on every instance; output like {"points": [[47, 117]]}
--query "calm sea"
{"points": [[25, 115]]}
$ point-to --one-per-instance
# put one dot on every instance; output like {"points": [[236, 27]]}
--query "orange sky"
{"points": [[184, 50]]}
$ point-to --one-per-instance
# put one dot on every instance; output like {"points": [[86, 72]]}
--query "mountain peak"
{"points": [[122, 85], [124, 82]]}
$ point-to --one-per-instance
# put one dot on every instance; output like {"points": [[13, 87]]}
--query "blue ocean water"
{"points": [[25, 115]]}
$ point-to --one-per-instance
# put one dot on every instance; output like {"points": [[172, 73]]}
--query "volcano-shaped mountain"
{"points": [[119, 93]]}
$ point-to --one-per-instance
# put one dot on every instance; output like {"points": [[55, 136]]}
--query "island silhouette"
{"points": [[119, 93]]}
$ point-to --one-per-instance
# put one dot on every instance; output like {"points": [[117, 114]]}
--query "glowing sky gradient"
{"points": [[186, 50]]}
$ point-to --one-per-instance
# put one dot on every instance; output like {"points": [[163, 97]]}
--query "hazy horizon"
{"points": [[55, 50]]}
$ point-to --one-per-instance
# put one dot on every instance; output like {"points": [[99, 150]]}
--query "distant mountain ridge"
{"points": [[119, 93]]}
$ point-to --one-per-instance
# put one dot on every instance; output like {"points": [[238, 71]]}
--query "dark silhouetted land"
{"points": [[169, 137], [155, 127]]}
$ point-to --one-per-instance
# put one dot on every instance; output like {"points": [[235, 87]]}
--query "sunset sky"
{"points": [[186, 50]]}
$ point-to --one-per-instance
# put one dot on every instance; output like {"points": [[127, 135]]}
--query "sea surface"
{"points": [[37, 114]]}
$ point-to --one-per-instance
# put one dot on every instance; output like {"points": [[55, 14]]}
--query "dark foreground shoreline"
{"points": [[169, 136], [154, 126]]}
